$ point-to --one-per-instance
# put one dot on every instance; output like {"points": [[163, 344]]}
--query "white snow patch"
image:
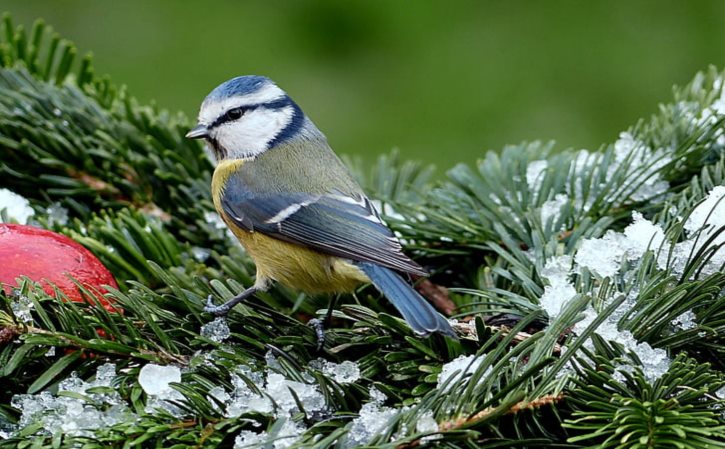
{"points": [[243, 398], [619, 371], [710, 217], [702, 224], [200, 254], [642, 167], [217, 330], [555, 297], [377, 396], [248, 439], [342, 373], [57, 214], [720, 393], [214, 219], [458, 368], [560, 289], [685, 321], [551, 209], [535, 172], [285, 437], [16, 207], [642, 235], [372, 420], [654, 360], [22, 309], [604, 255], [155, 379], [710, 213], [73, 415], [276, 387], [218, 394], [426, 423], [645, 166]]}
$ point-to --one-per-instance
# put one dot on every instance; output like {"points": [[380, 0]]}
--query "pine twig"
{"points": [[468, 331], [548, 399], [436, 294]]}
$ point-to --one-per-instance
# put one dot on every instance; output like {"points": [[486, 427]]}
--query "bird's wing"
{"points": [[339, 225]]}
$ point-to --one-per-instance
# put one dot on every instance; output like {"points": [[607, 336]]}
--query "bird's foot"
{"points": [[223, 309], [319, 328], [216, 310]]}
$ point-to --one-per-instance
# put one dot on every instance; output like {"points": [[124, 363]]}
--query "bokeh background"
{"points": [[443, 81]]}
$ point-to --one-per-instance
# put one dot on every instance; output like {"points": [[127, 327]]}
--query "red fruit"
{"points": [[47, 257]]}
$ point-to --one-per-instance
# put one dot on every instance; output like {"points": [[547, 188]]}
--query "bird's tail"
{"points": [[419, 314]]}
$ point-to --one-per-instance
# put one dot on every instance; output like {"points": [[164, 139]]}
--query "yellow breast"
{"points": [[293, 265]]}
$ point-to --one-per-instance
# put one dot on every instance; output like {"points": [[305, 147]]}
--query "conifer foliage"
{"points": [[589, 289]]}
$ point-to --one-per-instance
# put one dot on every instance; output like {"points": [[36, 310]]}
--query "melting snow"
{"points": [[458, 368], [535, 172], [16, 207], [551, 209], [685, 321], [372, 419], [342, 373], [560, 289], [217, 330], [74, 415], [155, 380]]}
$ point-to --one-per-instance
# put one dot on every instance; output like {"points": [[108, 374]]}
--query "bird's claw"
{"points": [[212, 308]]}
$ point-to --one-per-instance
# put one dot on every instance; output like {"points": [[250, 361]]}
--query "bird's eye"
{"points": [[235, 113]]}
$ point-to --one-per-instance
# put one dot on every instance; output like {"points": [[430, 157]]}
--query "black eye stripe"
{"points": [[231, 114]]}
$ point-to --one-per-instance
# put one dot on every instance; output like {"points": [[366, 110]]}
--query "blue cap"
{"points": [[239, 86]]}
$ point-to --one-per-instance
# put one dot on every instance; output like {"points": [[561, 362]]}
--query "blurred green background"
{"points": [[441, 80]]}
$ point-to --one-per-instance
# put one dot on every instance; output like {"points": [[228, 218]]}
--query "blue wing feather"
{"points": [[333, 224]]}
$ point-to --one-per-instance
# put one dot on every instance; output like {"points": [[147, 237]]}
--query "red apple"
{"points": [[49, 258]]}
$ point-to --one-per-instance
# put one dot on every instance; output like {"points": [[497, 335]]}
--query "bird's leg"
{"points": [[319, 325], [223, 309], [319, 329]]}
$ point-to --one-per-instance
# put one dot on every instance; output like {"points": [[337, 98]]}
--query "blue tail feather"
{"points": [[419, 314]]}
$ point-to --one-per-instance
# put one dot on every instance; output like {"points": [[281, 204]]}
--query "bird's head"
{"points": [[245, 116]]}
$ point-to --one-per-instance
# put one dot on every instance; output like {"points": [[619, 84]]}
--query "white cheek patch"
{"points": [[210, 111], [250, 135]]}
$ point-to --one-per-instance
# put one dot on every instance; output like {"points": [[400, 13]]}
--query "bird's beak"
{"points": [[198, 132]]}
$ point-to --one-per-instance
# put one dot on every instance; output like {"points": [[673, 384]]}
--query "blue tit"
{"points": [[295, 207]]}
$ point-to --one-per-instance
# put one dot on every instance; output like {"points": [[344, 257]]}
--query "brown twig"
{"points": [[436, 294], [94, 183], [102, 187], [468, 331], [516, 408], [155, 211]]}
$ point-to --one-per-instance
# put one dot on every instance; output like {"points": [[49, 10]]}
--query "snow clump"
{"points": [[560, 289], [72, 415], [155, 381], [16, 207], [458, 368], [373, 419]]}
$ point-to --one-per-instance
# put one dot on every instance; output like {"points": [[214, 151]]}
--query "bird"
{"points": [[295, 207]]}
